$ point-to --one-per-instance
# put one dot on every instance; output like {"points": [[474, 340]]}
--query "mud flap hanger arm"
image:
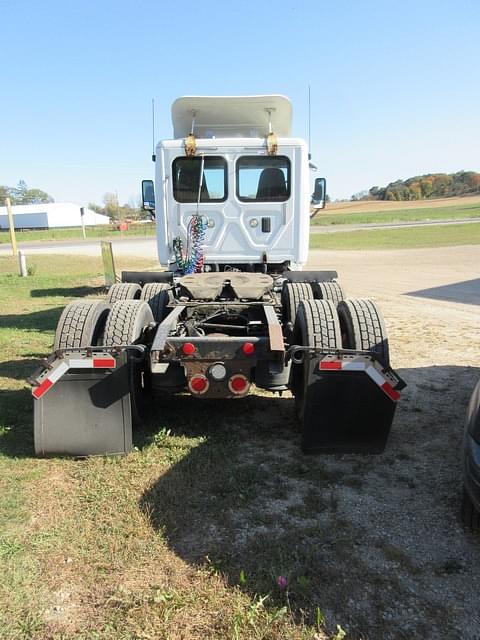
{"points": [[47, 364], [345, 360]]}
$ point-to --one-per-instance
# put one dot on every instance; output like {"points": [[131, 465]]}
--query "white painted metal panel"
{"points": [[26, 221], [232, 239], [231, 116], [50, 215]]}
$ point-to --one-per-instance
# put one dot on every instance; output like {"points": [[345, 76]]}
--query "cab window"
{"points": [[263, 178], [186, 179]]}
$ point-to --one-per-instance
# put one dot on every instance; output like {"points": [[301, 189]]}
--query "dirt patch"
{"points": [[374, 542], [188, 536]]}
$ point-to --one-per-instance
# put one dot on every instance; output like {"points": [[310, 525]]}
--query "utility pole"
{"points": [[11, 226]]}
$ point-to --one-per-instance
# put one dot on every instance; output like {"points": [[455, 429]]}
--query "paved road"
{"points": [[146, 247]]}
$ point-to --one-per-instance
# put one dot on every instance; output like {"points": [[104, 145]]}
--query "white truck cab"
{"points": [[233, 165]]}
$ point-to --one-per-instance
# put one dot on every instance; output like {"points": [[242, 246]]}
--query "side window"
{"points": [[263, 179], [186, 179]]}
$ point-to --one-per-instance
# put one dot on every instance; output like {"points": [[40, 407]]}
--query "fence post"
{"points": [[82, 214], [22, 262], [11, 226]]}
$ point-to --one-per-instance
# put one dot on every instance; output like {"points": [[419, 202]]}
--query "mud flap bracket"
{"points": [[350, 402], [86, 409]]}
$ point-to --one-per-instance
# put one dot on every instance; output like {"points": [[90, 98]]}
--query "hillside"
{"points": [[363, 206], [431, 185]]}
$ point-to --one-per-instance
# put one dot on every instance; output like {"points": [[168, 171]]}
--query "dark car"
{"points": [[471, 464]]}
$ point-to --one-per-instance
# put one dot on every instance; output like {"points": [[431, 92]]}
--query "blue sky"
{"points": [[394, 85]]}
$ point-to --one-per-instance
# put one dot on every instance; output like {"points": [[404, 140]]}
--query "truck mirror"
{"points": [[148, 195], [318, 195]]}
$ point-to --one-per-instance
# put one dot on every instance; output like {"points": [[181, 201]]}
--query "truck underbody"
{"points": [[214, 335], [232, 201]]}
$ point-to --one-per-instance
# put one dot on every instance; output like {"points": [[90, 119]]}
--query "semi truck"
{"points": [[231, 306]]}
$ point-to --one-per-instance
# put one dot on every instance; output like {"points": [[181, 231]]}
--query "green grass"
{"points": [[97, 548], [139, 230], [187, 536], [410, 238], [399, 215]]}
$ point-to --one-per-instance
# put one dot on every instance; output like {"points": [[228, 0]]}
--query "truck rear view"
{"points": [[233, 306]]}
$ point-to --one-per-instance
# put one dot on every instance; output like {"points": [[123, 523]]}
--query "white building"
{"points": [[50, 215]]}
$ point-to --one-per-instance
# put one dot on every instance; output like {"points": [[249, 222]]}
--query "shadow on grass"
{"points": [[68, 292], [45, 320], [19, 369], [16, 423], [351, 534]]}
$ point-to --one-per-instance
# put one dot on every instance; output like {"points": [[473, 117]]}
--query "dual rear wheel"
{"points": [[320, 324], [86, 323]]}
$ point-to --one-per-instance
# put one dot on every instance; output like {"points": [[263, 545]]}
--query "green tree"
{"points": [[112, 207], [21, 194], [36, 196], [96, 207], [4, 194]]}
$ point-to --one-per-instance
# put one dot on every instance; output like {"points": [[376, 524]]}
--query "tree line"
{"points": [[431, 185], [21, 194], [112, 208]]}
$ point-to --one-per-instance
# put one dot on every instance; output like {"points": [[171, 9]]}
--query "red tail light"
{"points": [[238, 384], [189, 348], [248, 348], [198, 384]]}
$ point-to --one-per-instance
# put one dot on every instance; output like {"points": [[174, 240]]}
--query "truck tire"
{"points": [[124, 291], [363, 328], [157, 294], [126, 322], [328, 291], [292, 294], [470, 516], [81, 324], [316, 326]]}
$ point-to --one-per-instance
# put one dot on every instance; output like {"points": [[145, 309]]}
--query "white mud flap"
{"points": [[82, 406]]}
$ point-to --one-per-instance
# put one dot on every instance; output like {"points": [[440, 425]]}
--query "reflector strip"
{"points": [[375, 376], [354, 366], [58, 372], [72, 363], [104, 363], [370, 370], [81, 363], [43, 388], [92, 363], [330, 364], [390, 391]]}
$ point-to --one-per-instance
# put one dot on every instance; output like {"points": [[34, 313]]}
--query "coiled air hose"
{"points": [[193, 259]]}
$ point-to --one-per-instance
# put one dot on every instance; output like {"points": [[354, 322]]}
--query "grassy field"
{"points": [[410, 214], [410, 238], [99, 548], [367, 206], [138, 230]]}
